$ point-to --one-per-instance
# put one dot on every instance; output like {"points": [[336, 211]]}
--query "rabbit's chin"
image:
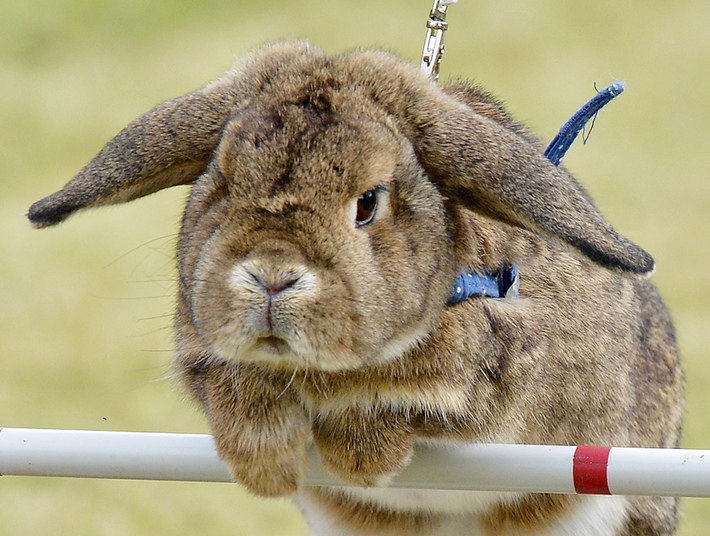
{"points": [[286, 353], [275, 351], [280, 353]]}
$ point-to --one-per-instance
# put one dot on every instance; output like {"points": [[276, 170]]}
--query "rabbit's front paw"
{"points": [[364, 449], [268, 458], [267, 472], [260, 431]]}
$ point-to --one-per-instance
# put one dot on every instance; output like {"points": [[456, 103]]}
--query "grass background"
{"points": [[85, 329]]}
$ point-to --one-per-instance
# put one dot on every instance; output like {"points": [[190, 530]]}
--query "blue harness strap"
{"points": [[501, 284], [504, 282]]}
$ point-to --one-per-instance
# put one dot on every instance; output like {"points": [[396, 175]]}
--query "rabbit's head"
{"points": [[319, 229]]}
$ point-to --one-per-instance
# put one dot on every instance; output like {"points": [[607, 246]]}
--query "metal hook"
{"points": [[434, 41]]}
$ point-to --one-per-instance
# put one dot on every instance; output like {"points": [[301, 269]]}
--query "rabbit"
{"points": [[334, 200]]}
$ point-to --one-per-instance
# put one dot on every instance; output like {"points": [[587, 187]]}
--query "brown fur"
{"points": [[296, 325]]}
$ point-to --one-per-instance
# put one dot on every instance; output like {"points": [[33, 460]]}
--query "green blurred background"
{"points": [[85, 327]]}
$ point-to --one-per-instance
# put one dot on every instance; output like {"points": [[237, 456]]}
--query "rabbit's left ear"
{"points": [[488, 167]]}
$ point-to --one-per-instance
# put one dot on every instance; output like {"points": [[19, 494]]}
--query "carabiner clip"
{"points": [[434, 41]]}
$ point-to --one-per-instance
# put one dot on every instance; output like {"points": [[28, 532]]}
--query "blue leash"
{"points": [[504, 282], [568, 133]]}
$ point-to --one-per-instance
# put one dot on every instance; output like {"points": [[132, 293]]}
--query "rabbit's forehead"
{"points": [[303, 151]]}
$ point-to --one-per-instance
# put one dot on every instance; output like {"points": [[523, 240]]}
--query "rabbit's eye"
{"points": [[366, 208]]}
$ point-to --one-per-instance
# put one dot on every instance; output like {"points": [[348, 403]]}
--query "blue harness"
{"points": [[504, 282]]}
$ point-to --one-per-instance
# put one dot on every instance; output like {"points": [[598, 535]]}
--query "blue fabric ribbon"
{"points": [[504, 282]]}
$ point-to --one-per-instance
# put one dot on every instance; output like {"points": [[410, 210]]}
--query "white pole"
{"points": [[532, 468]]}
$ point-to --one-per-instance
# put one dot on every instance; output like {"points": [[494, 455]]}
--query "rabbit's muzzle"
{"points": [[273, 294], [277, 289]]}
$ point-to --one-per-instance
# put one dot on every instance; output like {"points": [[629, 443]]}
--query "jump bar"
{"points": [[485, 467]]}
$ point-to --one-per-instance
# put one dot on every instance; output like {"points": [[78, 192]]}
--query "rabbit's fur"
{"points": [[295, 324]]}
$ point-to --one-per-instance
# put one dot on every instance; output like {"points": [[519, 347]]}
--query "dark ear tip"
{"points": [[626, 256], [637, 261], [648, 266], [46, 212]]}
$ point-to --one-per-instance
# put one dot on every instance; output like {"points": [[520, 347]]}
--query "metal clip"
{"points": [[434, 41]]}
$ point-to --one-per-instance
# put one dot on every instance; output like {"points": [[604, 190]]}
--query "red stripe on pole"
{"points": [[589, 469]]}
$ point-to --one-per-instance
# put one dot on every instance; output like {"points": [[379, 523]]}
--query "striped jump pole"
{"points": [[489, 467]]}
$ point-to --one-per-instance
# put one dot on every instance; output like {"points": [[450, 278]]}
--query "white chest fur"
{"points": [[592, 516]]}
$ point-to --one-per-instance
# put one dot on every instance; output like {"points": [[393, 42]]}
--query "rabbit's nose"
{"points": [[278, 284], [272, 280]]}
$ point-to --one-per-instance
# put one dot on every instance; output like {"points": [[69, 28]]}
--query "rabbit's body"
{"points": [[335, 201]]}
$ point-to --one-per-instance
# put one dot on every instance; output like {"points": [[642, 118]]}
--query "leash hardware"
{"points": [[434, 40]]}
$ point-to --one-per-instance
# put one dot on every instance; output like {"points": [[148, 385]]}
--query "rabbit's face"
{"points": [[314, 240]]}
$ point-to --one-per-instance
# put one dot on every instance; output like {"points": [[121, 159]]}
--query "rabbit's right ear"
{"points": [[490, 168], [167, 146]]}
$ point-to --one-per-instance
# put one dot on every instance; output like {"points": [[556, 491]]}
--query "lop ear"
{"points": [[167, 146], [489, 167]]}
